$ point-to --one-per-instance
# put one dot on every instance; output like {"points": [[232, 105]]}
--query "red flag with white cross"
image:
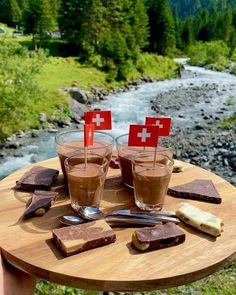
{"points": [[143, 135], [164, 124], [100, 119], [88, 134]]}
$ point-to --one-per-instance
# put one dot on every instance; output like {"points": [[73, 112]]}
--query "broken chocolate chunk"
{"points": [[114, 163], [40, 203], [199, 189], [37, 178], [158, 237], [77, 238]]}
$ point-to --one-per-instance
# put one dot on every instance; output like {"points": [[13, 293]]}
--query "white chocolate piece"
{"points": [[200, 219], [178, 166]]}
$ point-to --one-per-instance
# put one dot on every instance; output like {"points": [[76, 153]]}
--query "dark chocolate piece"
{"points": [[158, 237], [40, 203], [199, 189], [77, 238], [114, 163], [37, 178]]}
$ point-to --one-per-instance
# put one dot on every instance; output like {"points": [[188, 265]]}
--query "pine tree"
{"points": [[38, 19], [162, 28], [16, 13], [187, 33], [83, 23]]}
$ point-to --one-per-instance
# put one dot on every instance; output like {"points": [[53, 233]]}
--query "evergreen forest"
{"points": [[116, 32]]}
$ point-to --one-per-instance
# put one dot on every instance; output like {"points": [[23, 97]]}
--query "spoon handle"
{"points": [[143, 216], [149, 213], [132, 221]]}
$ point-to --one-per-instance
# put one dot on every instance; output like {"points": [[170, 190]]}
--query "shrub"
{"points": [[214, 54]]}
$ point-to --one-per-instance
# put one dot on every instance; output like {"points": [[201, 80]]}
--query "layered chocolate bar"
{"points": [[200, 219], [37, 178], [199, 189], [77, 238], [158, 237], [40, 202]]}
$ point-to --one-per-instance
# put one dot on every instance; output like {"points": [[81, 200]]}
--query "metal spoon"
{"points": [[70, 220], [93, 213], [114, 220], [153, 213]]}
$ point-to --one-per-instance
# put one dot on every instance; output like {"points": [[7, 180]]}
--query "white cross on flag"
{"points": [[100, 119], [163, 123], [88, 134], [143, 135]]}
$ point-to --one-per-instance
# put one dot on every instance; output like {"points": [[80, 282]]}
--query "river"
{"points": [[132, 107]]}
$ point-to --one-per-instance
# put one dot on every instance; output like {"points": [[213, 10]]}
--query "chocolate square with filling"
{"points": [[77, 238], [158, 237]]}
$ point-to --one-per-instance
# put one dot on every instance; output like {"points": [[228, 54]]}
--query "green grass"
{"points": [[63, 71], [221, 283]]}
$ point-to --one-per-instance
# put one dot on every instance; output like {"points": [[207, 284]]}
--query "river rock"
{"points": [[79, 94], [42, 118], [77, 110]]}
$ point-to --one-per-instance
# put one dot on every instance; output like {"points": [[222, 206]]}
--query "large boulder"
{"points": [[79, 94], [77, 110]]}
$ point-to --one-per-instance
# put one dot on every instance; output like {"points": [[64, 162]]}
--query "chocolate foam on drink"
{"points": [[199, 189]]}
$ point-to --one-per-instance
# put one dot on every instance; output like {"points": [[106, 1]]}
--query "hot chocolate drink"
{"points": [[86, 180], [151, 183]]}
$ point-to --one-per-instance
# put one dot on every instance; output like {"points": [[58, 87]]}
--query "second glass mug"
{"points": [[127, 153], [71, 142]]}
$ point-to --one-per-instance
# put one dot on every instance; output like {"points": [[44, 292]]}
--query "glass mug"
{"points": [[70, 143], [127, 153], [151, 179], [86, 177]]}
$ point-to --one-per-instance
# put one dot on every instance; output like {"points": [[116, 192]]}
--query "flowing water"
{"points": [[132, 107]]}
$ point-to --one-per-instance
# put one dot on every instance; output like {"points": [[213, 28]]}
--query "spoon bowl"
{"points": [[70, 220], [90, 213]]}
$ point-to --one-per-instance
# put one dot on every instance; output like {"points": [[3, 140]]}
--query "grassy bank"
{"points": [[60, 71]]}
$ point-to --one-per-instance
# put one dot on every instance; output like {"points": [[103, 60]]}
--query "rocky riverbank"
{"points": [[197, 134]]}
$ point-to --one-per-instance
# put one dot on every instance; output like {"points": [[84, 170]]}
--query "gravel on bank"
{"points": [[197, 133]]}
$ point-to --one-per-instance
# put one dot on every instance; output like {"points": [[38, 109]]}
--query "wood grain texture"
{"points": [[116, 267]]}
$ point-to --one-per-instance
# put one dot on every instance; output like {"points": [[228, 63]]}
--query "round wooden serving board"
{"points": [[116, 267]]}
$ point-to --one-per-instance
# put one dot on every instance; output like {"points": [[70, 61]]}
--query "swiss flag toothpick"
{"points": [[88, 134], [100, 119], [143, 135], [164, 124]]}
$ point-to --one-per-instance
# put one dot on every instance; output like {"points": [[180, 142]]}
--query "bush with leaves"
{"points": [[214, 54], [19, 91]]}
